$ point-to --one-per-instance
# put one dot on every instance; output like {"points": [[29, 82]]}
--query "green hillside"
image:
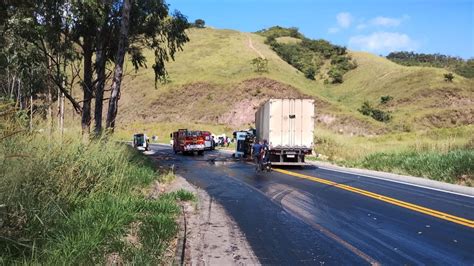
{"points": [[213, 79]]}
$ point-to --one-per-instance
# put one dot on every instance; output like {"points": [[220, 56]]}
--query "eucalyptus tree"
{"points": [[129, 27], [148, 24], [64, 32]]}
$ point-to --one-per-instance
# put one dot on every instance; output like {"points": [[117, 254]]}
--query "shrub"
{"points": [[380, 115], [310, 73], [365, 109], [385, 99], [377, 114], [336, 75], [260, 64], [448, 77]]}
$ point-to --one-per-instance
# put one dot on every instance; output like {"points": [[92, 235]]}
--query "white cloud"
{"points": [[344, 19], [386, 21], [383, 42], [333, 30], [361, 26], [381, 21]]}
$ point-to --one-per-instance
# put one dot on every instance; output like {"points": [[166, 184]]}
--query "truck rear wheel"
{"points": [[200, 153]]}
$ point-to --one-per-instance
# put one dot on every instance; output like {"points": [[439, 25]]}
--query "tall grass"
{"points": [[441, 154], [63, 202], [455, 166]]}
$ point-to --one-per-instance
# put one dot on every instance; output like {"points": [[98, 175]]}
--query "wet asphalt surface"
{"points": [[290, 221]]}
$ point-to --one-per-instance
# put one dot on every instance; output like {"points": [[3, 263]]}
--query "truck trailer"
{"points": [[288, 127]]}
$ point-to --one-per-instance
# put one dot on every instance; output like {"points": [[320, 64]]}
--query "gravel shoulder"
{"points": [[212, 236]]}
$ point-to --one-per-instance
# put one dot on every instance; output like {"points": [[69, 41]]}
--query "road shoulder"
{"points": [[212, 236]]}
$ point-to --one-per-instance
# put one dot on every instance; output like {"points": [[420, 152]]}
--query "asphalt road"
{"points": [[319, 216]]}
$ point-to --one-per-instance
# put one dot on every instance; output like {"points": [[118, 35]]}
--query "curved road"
{"points": [[319, 216]]}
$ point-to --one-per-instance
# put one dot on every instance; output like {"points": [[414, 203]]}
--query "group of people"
{"points": [[260, 153], [222, 141]]}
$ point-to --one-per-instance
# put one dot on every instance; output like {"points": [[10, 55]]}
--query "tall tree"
{"points": [[63, 33], [199, 23], [102, 42], [152, 27], [118, 70]]}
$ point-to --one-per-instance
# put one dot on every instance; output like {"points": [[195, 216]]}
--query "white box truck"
{"points": [[288, 126]]}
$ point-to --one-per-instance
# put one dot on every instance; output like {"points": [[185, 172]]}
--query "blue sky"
{"points": [[436, 26]]}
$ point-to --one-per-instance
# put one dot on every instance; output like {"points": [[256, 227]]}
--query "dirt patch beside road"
{"points": [[212, 236]]}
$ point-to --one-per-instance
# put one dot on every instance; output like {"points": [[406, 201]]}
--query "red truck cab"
{"points": [[188, 141]]}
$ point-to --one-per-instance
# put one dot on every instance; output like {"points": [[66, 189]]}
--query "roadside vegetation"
{"points": [[65, 202], [454, 166], [441, 154]]}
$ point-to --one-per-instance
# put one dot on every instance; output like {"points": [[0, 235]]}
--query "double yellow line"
{"points": [[407, 205]]}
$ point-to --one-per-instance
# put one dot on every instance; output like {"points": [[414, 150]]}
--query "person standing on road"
{"points": [[256, 152]]}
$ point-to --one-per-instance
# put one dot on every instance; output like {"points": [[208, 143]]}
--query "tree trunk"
{"points": [[118, 70], [87, 88], [61, 115], [71, 92], [100, 62], [31, 110], [58, 112], [50, 111], [61, 99], [20, 97]]}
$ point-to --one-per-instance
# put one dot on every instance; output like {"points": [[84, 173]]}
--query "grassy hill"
{"points": [[212, 80], [213, 86]]}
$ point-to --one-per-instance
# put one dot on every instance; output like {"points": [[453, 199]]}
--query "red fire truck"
{"points": [[188, 141]]}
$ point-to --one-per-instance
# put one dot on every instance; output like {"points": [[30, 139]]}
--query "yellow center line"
{"points": [[404, 204]]}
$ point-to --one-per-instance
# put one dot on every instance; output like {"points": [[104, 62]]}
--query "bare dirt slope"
{"points": [[235, 105]]}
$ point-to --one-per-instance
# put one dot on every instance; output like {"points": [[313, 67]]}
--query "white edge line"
{"points": [[396, 181]]}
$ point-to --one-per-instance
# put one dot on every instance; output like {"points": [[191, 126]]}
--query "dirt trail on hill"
{"points": [[253, 48]]}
